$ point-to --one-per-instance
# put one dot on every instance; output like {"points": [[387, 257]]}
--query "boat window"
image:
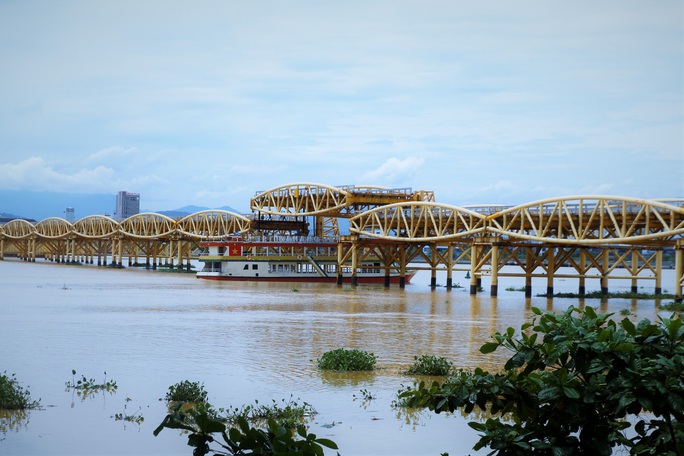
{"points": [[246, 267], [255, 266]]}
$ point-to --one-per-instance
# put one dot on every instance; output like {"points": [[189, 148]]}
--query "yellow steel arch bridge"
{"points": [[599, 237]]}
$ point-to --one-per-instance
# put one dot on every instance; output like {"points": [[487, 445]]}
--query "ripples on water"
{"points": [[245, 341]]}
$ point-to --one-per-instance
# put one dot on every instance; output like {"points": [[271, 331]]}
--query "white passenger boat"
{"points": [[285, 259]]}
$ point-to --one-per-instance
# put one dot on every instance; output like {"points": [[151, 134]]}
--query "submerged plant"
{"points": [[430, 365], [345, 360], [13, 396]]}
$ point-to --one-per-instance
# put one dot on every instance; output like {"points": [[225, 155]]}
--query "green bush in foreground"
{"points": [[13, 396], [187, 391], [430, 365], [574, 384], [205, 428], [345, 360]]}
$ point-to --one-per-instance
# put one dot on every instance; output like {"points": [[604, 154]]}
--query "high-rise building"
{"points": [[127, 204], [70, 215]]}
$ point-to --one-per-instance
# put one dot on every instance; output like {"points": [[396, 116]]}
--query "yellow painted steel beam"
{"points": [[212, 224], [590, 220], [18, 229], [53, 228], [305, 199], [418, 222], [148, 225], [96, 227]]}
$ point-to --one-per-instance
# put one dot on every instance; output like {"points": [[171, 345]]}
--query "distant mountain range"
{"points": [[42, 205]]}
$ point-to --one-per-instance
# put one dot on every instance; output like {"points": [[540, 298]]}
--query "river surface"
{"points": [[244, 341]]}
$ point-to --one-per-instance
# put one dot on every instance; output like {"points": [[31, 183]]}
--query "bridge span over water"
{"points": [[599, 237]]}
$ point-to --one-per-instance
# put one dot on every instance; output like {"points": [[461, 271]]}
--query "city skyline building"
{"points": [[70, 214], [127, 204]]}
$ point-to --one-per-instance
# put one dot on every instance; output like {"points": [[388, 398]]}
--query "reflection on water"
{"points": [[13, 421], [245, 342]]}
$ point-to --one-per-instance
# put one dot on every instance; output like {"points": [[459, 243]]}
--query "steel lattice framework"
{"points": [[591, 220], [418, 222], [212, 224], [396, 225]]}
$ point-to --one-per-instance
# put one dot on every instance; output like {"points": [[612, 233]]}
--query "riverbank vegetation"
{"points": [[574, 384]]}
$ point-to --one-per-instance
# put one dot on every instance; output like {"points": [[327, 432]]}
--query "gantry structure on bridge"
{"points": [[599, 238]]}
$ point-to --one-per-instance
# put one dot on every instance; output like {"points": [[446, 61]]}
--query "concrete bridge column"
{"points": [[659, 273], [450, 265], [402, 266], [634, 270], [433, 274], [495, 271], [473, 269], [551, 269], [528, 273], [355, 264], [604, 271], [339, 264], [679, 269], [582, 270]]}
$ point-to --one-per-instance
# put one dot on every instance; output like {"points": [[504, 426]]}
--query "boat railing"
{"points": [[291, 239]]}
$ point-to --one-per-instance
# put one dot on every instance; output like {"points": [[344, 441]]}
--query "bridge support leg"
{"points": [[634, 270], [473, 266], [679, 271], [449, 266], [604, 272], [582, 270], [402, 267], [339, 264], [387, 280], [355, 265], [495, 271], [659, 273], [551, 268]]}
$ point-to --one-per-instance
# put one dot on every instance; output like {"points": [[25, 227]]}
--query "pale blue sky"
{"points": [[207, 102]]}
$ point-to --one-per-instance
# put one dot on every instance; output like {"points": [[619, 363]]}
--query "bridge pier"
{"points": [[679, 269]]}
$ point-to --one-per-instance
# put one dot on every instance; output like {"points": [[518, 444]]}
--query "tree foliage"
{"points": [[575, 384]]}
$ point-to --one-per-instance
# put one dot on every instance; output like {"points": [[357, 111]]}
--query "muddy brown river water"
{"points": [[245, 341]]}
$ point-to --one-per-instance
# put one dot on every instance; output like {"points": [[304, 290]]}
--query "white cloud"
{"points": [[217, 100], [393, 171], [114, 152], [36, 174]]}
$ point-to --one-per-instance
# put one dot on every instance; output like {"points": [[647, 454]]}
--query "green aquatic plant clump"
{"points": [[346, 360], [90, 384], [430, 365], [187, 391], [13, 396], [287, 414]]}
